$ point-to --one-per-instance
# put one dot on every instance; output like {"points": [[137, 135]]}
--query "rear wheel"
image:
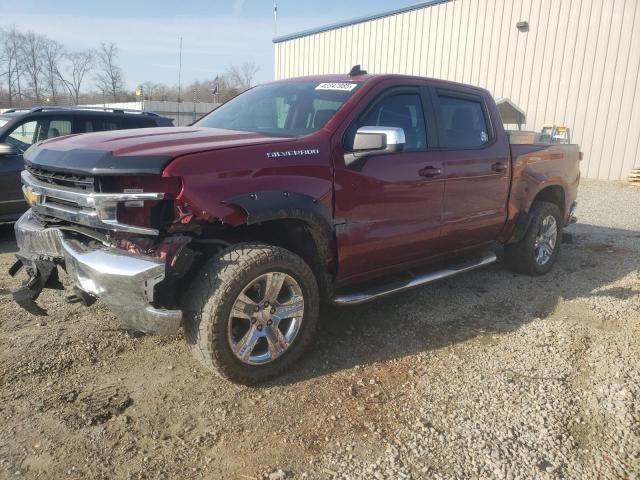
{"points": [[537, 252], [251, 312]]}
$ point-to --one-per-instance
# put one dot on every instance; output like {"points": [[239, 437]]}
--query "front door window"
{"points": [[24, 135], [30, 132]]}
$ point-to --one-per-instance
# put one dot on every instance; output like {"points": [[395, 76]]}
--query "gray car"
{"points": [[19, 129]]}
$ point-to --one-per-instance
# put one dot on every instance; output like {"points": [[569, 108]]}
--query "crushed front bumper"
{"points": [[124, 281]]}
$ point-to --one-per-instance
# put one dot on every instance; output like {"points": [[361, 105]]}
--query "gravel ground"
{"points": [[487, 375]]}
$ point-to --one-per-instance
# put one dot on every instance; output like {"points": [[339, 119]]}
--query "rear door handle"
{"points": [[498, 167], [430, 171]]}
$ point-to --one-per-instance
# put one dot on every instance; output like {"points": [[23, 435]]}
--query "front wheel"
{"points": [[537, 252], [251, 312]]}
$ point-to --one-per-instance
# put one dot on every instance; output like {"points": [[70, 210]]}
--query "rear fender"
{"points": [[523, 219], [520, 228]]}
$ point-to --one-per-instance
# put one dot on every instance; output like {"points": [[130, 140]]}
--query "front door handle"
{"points": [[498, 167], [430, 171]]}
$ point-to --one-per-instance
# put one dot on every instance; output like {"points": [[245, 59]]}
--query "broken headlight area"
{"points": [[176, 254]]}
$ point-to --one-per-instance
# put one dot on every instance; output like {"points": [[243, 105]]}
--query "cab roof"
{"points": [[368, 77]]}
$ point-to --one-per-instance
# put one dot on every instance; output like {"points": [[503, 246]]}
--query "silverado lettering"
{"points": [[293, 153]]}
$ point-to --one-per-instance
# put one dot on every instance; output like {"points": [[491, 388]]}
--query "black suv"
{"points": [[19, 129]]}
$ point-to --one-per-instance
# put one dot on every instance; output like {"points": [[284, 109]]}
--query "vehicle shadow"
{"points": [[480, 303], [487, 301], [7, 238]]}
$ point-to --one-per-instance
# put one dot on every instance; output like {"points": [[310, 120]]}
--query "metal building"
{"points": [[561, 61]]}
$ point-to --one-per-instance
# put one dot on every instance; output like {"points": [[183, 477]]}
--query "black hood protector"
{"points": [[93, 162]]}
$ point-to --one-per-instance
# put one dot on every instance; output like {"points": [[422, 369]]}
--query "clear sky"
{"points": [[215, 33]]}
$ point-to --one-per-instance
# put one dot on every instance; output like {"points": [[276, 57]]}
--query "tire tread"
{"points": [[519, 257], [204, 302]]}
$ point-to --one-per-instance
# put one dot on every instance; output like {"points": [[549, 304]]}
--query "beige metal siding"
{"points": [[578, 64]]}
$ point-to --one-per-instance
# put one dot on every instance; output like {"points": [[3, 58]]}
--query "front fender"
{"points": [[274, 205], [280, 205]]}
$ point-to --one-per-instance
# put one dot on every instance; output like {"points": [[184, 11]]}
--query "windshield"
{"points": [[287, 109], [3, 122]]}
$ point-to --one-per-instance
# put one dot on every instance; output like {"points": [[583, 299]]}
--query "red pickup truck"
{"points": [[342, 188]]}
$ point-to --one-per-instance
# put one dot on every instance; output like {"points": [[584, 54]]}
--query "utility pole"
{"points": [[180, 80], [275, 17], [215, 91], [194, 104]]}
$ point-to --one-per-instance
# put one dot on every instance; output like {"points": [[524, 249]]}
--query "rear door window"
{"points": [[107, 123], [463, 121], [85, 125], [58, 128], [102, 124], [129, 122]]}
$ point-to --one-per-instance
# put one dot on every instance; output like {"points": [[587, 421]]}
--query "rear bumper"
{"points": [[124, 281]]}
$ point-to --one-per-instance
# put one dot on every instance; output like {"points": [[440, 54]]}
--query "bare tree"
{"points": [[4, 94], [199, 90], [164, 92], [242, 77], [109, 79], [33, 61], [34, 67], [78, 65], [53, 53], [150, 90], [159, 91], [10, 46]]}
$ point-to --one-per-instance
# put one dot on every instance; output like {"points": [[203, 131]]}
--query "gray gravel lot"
{"points": [[487, 375]]}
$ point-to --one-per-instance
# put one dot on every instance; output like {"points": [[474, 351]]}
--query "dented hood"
{"points": [[144, 151]]}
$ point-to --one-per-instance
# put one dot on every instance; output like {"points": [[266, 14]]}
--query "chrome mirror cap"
{"points": [[370, 141]]}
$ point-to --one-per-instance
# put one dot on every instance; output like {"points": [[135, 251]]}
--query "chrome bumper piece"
{"points": [[124, 281]]}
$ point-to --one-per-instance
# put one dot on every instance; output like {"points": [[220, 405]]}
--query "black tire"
{"points": [[208, 303], [520, 257]]}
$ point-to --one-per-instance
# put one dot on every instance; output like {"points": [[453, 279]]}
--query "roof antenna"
{"points": [[356, 70]]}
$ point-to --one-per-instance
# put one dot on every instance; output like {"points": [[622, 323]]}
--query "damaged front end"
{"points": [[129, 283], [107, 234]]}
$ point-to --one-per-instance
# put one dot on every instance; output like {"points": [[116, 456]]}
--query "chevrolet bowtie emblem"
{"points": [[30, 196]]}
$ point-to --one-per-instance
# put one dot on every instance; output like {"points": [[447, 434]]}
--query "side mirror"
{"points": [[371, 141], [7, 149]]}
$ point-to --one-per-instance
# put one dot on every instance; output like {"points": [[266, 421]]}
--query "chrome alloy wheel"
{"points": [[265, 318], [546, 239]]}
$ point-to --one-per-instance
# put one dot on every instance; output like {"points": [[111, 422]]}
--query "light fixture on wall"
{"points": [[522, 26]]}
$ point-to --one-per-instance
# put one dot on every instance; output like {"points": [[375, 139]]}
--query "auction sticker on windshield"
{"points": [[344, 87]]}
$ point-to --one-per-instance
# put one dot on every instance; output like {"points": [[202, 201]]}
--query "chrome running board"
{"points": [[400, 286]]}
